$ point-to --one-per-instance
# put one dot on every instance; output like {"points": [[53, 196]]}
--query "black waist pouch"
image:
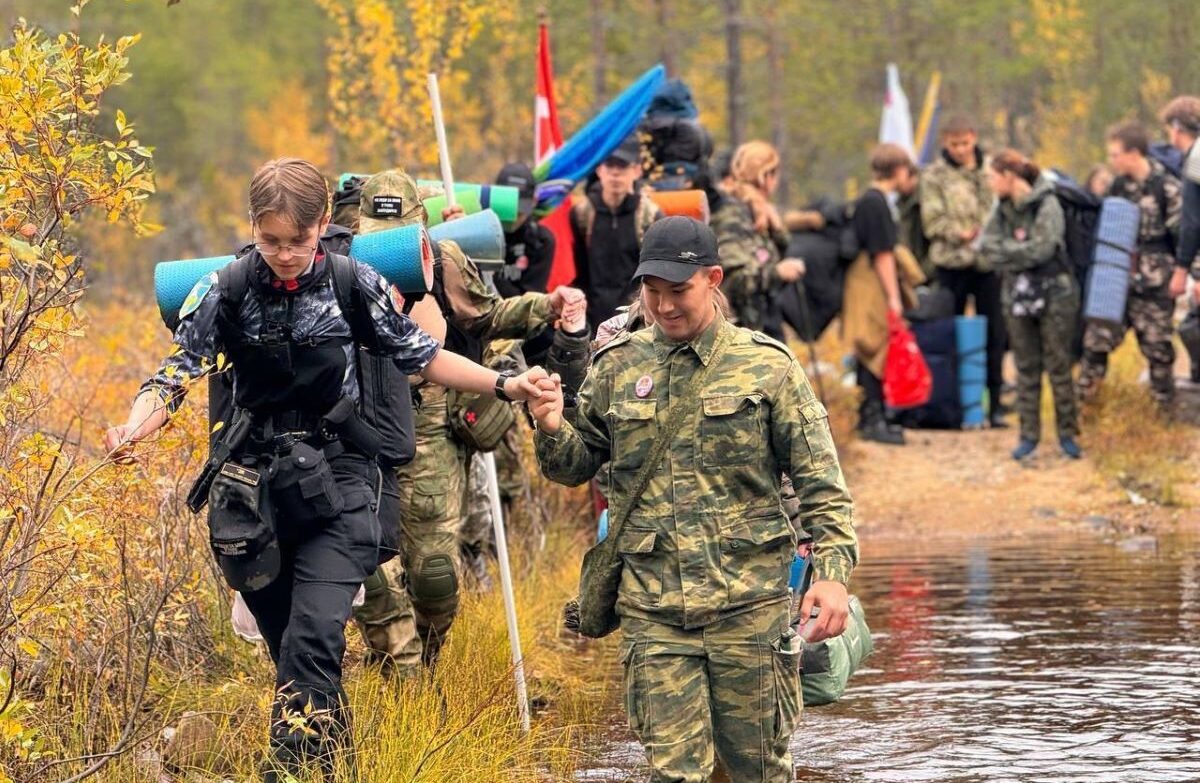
{"points": [[241, 528], [304, 492]]}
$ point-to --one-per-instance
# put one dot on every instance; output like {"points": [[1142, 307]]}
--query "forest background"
{"points": [[129, 132]]}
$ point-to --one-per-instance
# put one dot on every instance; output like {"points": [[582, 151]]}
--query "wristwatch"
{"points": [[502, 379]]}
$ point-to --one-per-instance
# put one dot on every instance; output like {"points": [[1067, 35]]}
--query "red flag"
{"points": [[547, 138]]}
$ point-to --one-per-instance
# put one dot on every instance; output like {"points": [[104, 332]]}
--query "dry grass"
{"points": [[1129, 441]]}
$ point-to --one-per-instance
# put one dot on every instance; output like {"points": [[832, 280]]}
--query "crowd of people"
{"points": [[667, 348]]}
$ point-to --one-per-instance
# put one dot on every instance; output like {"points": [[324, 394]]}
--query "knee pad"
{"points": [[434, 579]]}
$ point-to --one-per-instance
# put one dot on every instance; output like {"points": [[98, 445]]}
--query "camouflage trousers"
{"points": [[1043, 344], [1150, 316], [412, 599], [731, 687], [475, 536]]}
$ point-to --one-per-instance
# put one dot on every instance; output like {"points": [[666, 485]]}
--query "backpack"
{"points": [[346, 201], [385, 399], [1169, 156], [1081, 215], [678, 149]]}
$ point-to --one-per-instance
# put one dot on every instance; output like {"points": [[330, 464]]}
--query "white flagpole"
{"points": [[493, 484]]}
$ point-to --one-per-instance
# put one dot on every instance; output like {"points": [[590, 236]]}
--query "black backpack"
{"points": [[385, 397], [1081, 215]]}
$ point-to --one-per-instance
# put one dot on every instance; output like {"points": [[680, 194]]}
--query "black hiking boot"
{"points": [[880, 431]]}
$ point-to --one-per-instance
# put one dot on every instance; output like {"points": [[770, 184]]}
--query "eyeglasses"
{"points": [[274, 249]]}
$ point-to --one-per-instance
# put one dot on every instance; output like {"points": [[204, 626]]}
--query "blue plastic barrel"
{"points": [[970, 336]]}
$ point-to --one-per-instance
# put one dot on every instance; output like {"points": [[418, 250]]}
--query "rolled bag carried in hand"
{"points": [[403, 256], [1109, 277], [826, 667]]}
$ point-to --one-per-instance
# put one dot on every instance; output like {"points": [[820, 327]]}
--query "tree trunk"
{"points": [[599, 56], [733, 71], [776, 76], [667, 53]]}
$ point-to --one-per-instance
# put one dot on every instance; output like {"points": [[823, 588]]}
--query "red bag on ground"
{"points": [[907, 382]]}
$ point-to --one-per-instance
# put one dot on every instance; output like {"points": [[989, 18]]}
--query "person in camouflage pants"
{"points": [[1150, 307], [710, 659], [1023, 241], [411, 600], [752, 239]]}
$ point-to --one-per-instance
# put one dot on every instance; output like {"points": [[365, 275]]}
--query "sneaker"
{"points": [[1024, 449], [880, 432], [1070, 447]]}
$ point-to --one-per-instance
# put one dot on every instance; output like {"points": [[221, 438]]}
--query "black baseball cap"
{"points": [[675, 248], [519, 176], [627, 153]]}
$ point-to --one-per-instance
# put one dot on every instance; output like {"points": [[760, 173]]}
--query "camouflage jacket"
{"points": [[749, 259], [1026, 235], [482, 313], [954, 199], [1160, 198], [709, 537]]}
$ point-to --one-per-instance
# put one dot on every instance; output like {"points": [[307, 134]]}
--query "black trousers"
{"points": [[984, 288], [303, 614], [870, 410]]}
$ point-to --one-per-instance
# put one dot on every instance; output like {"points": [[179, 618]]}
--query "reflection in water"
{"points": [[1060, 659]]}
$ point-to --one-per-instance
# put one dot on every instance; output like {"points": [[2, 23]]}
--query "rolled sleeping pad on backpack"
{"points": [[689, 203], [1108, 278], [480, 235], [970, 336], [404, 256], [504, 200]]}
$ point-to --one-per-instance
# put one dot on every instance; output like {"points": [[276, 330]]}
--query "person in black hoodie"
{"points": [[529, 246], [608, 224]]}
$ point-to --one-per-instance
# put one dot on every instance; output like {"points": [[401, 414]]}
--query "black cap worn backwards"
{"points": [[519, 176], [675, 248]]}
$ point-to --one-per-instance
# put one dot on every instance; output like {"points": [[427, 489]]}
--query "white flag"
{"points": [[896, 126]]}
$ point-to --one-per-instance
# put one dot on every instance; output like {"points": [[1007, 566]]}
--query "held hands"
{"points": [[524, 387], [453, 213], [547, 408], [968, 236], [569, 304], [790, 270], [833, 601]]}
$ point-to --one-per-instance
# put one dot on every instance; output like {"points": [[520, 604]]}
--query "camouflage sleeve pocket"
{"points": [[817, 435]]}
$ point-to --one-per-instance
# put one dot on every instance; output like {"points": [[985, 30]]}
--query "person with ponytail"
{"points": [[753, 238], [1023, 241]]}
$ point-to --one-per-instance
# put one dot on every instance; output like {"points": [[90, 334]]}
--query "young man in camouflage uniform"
{"points": [[955, 203], [710, 658], [1150, 306], [412, 599]]}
